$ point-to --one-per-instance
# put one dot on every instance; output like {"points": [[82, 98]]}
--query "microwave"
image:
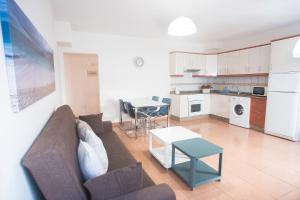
{"points": [[259, 91]]}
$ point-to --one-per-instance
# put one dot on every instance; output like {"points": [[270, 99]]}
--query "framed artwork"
{"points": [[28, 57]]}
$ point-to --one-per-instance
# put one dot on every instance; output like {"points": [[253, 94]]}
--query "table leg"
{"points": [[220, 163], [168, 117], [150, 142], [173, 156], [166, 156], [121, 120], [193, 172], [135, 121]]}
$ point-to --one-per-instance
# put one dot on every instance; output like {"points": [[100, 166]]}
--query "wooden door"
{"points": [[82, 83]]}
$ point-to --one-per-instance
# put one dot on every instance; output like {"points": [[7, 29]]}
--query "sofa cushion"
{"points": [[52, 160], [95, 121], [82, 128], [89, 162], [95, 142], [115, 183]]}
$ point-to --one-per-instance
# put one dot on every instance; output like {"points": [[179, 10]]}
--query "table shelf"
{"points": [[203, 173]]}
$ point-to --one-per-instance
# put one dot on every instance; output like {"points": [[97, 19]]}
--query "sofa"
{"points": [[52, 161]]}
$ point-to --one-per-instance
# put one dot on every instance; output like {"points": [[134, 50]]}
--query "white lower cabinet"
{"points": [[219, 105], [179, 105]]}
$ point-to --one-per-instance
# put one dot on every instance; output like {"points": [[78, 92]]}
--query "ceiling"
{"points": [[216, 20]]}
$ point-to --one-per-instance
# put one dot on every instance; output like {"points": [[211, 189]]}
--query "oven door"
{"points": [[195, 108]]}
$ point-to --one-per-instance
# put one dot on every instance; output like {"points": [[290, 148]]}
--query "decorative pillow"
{"points": [[116, 182], [96, 143], [89, 162], [95, 121], [82, 128]]}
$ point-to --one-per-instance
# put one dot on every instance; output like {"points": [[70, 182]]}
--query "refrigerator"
{"points": [[283, 106]]}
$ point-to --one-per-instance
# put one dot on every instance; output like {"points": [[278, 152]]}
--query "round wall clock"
{"points": [[139, 61]]}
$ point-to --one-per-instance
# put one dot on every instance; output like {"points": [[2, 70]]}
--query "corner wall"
{"points": [[18, 131]]}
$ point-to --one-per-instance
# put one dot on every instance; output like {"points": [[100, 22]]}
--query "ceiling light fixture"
{"points": [[182, 26], [296, 52]]}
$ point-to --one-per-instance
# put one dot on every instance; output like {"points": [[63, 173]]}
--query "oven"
{"points": [[195, 105]]}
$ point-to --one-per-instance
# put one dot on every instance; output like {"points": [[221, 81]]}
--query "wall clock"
{"points": [[139, 61]]}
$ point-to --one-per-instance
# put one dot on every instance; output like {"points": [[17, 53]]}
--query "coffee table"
{"points": [[195, 172], [166, 136]]}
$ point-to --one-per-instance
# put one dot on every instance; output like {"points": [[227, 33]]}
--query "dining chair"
{"points": [[123, 110], [141, 117], [155, 98]]}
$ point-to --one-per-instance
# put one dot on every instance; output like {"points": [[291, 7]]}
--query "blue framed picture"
{"points": [[28, 57]]}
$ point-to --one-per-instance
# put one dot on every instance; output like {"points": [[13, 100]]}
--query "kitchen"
{"points": [[255, 87]]}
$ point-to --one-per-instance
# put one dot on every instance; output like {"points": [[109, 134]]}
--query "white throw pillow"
{"points": [[89, 162], [96, 143], [82, 127]]}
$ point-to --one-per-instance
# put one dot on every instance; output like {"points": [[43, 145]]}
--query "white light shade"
{"points": [[296, 52], [182, 26]]}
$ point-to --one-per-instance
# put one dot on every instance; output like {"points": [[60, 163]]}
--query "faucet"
{"points": [[238, 90]]}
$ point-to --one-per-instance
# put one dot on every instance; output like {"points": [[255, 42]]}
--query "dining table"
{"points": [[140, 103]]}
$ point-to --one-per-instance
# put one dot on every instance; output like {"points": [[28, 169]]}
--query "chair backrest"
{"points": [[123, 107], [130, 108], [155, 98], [164, 109]]}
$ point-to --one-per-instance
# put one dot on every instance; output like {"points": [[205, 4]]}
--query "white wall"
{"points": [[119, 77], [262, 38], [18, 131]]}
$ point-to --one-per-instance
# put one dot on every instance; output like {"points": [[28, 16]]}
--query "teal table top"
{"points": [[198, 147]]}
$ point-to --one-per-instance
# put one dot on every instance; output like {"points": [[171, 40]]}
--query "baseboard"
{"points": [[188, 118], [256, 128], [223, 119]]}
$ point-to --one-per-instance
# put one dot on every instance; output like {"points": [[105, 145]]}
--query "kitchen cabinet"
{"points": [[177, 63], [258, 112], [222, 64], [265, 59], [179, 105], [254, 60], [211, 68], [219, 105], [282, 59], [206, 104], [181, 62]]}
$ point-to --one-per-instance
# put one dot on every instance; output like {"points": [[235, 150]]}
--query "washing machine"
{"points": [[240, 111]]}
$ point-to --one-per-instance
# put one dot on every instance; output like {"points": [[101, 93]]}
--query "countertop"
{"points": [[230, 93]]}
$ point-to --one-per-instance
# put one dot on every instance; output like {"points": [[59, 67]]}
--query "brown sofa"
{"points": [[52, 161]]}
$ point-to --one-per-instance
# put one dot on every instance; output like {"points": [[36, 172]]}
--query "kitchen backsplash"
{"points": [[244, 84]]}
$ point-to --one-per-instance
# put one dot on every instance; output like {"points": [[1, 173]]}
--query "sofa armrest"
{"points": [[107, 125], [116, 183], [157, 192]]}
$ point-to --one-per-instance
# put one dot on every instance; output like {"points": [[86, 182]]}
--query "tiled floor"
{"points": [[255, 165]]}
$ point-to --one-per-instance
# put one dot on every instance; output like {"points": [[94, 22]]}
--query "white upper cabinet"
{"points": [[282, 59], [253, 60], [177, 63], [197, 63], [265, 59], [247, 61], [222, 64], [244, 61], [211, 65]]}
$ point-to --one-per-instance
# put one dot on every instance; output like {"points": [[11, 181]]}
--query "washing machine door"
{"points": [[238, 110]]}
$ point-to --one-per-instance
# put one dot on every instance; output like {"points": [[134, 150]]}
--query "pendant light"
{"points": [[182, 26], [296, 52]]}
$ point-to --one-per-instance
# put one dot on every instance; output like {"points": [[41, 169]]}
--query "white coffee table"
{"points": [[166, 136]]}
